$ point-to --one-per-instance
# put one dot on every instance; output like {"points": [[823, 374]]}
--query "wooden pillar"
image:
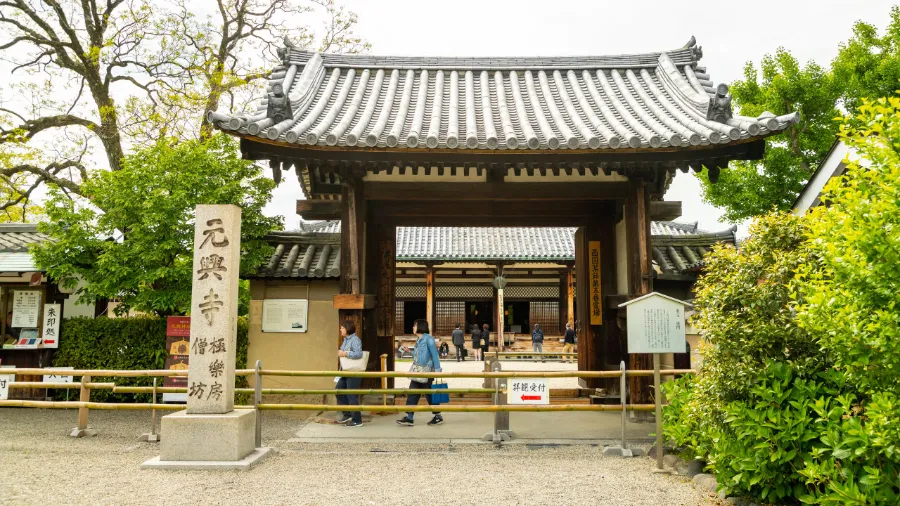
{"points": [[353, 255], [563, 315], [429, 296], [380, 276], [570, 297], [590, 331], [640, 280]]}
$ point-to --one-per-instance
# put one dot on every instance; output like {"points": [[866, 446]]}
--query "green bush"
{"points": [[125, 343]]}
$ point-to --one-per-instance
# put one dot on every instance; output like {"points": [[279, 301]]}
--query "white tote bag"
{"points": [[355, 364]]}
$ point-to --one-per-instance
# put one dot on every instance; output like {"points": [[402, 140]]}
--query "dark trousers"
{"points": [[349, 400], [484, 352], [459, 352], [413, 399]]}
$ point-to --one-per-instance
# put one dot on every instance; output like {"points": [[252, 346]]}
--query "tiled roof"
{"points": [[678, 248], [653, 100], [303, 255], [14, 242], [17, 237]]}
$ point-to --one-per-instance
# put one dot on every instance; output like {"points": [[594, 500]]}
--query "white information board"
{"points": [[26, 308], [52, 313], [58, 378], [5, 379], [285, 315], [527, 391], [655, 324]]}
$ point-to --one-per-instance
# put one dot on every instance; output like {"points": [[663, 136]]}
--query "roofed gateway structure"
{"points": [[585, 142]]}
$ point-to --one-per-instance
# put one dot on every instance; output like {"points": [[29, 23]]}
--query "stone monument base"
{"points": [[208, 441]]}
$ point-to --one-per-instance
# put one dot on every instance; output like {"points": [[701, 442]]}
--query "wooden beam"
{"points": [[319, 209], [388, 191], [665, 210], [353, 301]]}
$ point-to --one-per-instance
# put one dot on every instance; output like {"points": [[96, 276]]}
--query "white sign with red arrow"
{"points": [[527, 391]]}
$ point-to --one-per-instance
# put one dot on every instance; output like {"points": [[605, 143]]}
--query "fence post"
{"points": [[82, 429], [658, 399], [257, 400], [623, 394], [501, 430], [152, 436], [384, 378]]}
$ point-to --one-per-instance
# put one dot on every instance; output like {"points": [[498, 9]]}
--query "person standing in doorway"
{"points": [[350, 348], [459, 340], [425, 359], [569, 341], [485, 340], [537, 340], [476, 342]]}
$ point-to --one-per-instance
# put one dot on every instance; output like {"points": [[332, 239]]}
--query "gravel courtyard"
{"points": [[40, 465]]}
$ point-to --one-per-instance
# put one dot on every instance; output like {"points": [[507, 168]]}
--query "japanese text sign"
{"points": [[214, 298], [527, 391], [655, 324], [52, 317]]}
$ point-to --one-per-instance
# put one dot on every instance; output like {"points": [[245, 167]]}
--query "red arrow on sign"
{"points": [[531, 397]]}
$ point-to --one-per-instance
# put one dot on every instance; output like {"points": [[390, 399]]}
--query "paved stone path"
{"points": [[39, 464]]}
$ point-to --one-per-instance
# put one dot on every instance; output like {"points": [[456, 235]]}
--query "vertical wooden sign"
{"points": [[214, 299], [596, 297]]}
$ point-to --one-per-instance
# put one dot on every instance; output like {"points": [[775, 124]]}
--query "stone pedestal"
{"points": [[228, 436], [223, 442]]}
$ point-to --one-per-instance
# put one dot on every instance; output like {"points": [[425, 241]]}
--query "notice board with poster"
{"points": [[178, 347], [285, 315], [26, 308]]}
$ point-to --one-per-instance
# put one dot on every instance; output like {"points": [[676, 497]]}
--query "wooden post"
{"points": [[82, 429], [429, 296], [658, 402], [383, 379], [640, 282], [570, 297]]}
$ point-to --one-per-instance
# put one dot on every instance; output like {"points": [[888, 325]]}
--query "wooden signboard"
{"points": [[596, 297], [178, 348]]}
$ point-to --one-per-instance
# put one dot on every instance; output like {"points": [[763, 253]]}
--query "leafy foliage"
{"points": [[125, 343], [798, 395], [139, 250], [781, 86], [868, 65]]}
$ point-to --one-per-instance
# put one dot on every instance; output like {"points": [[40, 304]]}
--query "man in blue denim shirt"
{"points": [[350, 348], [425, 354]]}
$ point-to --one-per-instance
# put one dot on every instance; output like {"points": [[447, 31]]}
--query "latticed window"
{"points": [[546, 314], [448, 313], [531, 292], [398, 317]]}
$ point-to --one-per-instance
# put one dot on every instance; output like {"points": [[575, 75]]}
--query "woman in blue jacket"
{"points": [[425, 359]]}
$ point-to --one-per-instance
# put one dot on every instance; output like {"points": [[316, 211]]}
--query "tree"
{"points": [[869, 65], [100, 76], [753, 188], [139, 248]]}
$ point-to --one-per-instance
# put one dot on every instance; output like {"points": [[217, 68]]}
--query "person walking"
{"points": [[459, 340], [476, 342], [537, 340], [425, 359], [485, 340], [351, 348], [569, 341]]}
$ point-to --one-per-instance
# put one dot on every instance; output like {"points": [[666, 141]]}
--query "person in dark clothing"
{"points": [[476, 342], [537, 340], [485, 340], [568, 341], [459, 340]]}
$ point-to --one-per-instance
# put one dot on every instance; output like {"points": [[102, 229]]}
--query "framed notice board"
{"points": [[285, 315]]}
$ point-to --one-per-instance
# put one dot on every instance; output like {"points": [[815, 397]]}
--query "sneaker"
{"points": [[437, 420], [355, 424], [405, 421], [345, 419]]}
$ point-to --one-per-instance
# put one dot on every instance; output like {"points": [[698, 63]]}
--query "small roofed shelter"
{"points": [[589, 142]]}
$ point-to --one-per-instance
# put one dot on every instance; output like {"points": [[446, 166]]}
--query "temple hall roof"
{"points": [[644, 101], [677, 248], [14, 242]]}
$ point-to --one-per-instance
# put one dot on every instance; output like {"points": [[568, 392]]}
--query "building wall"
{"points": [[315, 349]]}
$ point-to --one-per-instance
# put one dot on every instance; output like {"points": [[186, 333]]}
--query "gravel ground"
{"points": [[40, 465]]}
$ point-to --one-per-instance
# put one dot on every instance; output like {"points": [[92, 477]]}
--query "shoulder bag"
{"points": [[355, 364]]}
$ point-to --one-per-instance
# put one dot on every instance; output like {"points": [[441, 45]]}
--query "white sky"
{"points": [[731, 34]]}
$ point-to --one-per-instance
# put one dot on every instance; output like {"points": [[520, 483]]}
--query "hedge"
{"points": [[124, 343]]}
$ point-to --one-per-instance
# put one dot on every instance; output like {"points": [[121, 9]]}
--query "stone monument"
{"points": [[210, 433]]}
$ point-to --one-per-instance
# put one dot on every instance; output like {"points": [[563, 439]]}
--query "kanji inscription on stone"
{"points": [[217, 241]]}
